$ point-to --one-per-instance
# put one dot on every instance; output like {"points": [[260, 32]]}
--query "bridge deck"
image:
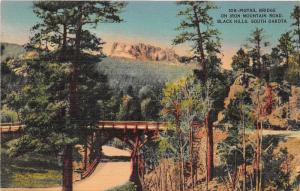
{"points": [[139, 125]]}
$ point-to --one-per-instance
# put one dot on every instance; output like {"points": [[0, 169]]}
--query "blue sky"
{"points": [[150, 22]]}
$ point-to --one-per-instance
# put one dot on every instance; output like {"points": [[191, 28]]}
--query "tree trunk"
{"points": [[259, 58], [181, 160], [68, 169], [64, 42], [244, 153], [85, 160], [182, 169], [210, 147], [298, 26], [200, 48], [257, 159], [260, 158], [192, 157]]}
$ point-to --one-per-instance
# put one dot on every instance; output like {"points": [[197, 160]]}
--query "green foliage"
{"points": [[39, 105], [7, 115], [67, 25], [276, 74], [123, 73], [296, 24], [29, 170], [241, 61], [183, 102], [129, 109], [152, 153], [276, 63], [277, 165], [126, 187], [237, 118], [196, 14], [149, 105], [63, 93], [149, 109], [196, 28], [255, 46], [292, 74], [276, 69], [9, 80], [285, 46], [118, 143]]}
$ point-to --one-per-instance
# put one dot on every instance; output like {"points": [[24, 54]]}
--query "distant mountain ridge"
{"points": [[141, 51]]}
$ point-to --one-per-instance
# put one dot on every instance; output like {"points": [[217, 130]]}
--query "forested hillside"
{"points": [[123, 73]]}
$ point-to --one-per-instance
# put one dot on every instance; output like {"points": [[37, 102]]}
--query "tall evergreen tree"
{"points": [[285, 46], [241, 61], [276, 69], [197, 29], [296, 16], [257, 42], [61, 97]]}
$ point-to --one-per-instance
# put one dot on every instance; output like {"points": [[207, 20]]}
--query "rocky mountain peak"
{"points": [[143, 51]]}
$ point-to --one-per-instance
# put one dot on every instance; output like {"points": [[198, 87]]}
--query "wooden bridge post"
{"points": [[85, 160], [134, 177]]}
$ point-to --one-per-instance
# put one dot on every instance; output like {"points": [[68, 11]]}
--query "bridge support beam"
{"points": [[85, 159], [134, 177]]}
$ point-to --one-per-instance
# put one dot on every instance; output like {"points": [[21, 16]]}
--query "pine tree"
{"points": [[276, 69], [257, 42], [296, 16], [149, 105], [241, 61], [285, 46], [60, 99], [197, 29]]}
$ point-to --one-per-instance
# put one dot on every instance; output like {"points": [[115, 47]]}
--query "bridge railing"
{"points": [[90, 169], [10, 127], [132, 124], [151, 125]]}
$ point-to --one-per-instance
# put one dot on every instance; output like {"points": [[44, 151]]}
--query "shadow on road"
{"points": [[115, 158]]}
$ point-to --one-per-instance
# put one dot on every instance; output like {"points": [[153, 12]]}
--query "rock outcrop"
{"points": [[143, 52], [285, 99], [294, 104]]}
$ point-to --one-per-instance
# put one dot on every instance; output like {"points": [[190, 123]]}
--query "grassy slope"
{"points": [[29, 170]]}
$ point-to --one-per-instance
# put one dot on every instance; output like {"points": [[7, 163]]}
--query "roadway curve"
{"points": [[107, 174]]}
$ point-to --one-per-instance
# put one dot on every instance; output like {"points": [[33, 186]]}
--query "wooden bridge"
{"points": [[138, 126], [134, 133]]}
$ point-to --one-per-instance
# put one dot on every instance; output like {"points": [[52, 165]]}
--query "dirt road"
{"points": [[107, 174]]}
